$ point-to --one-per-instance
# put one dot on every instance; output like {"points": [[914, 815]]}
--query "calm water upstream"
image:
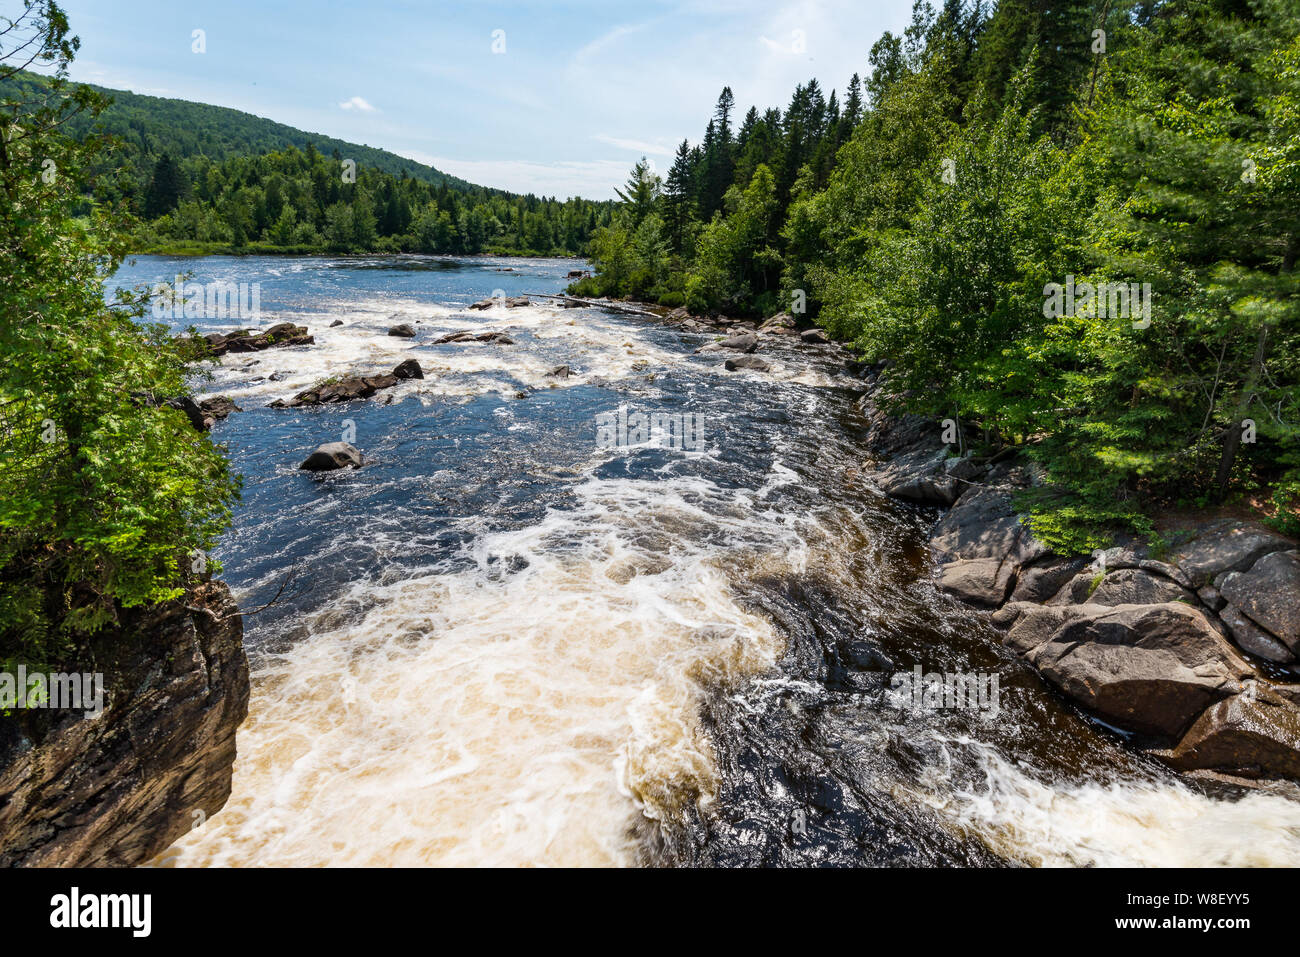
{"points": [[507, 645]]}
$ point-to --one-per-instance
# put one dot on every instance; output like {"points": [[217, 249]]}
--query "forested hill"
{"points": [[149, 126], [206, 179]]}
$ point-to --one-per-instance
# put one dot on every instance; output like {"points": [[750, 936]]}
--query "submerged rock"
{"points": [[331, 456]]}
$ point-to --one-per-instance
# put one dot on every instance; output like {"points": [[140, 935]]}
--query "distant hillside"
{"points": [[151, 125]]}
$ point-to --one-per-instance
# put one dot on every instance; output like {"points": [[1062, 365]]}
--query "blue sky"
{"points": [[581, 91]]}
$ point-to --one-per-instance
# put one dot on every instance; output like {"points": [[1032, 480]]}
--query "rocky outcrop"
{"points": [[351, 388], [511, 302], [118, 789], [500, 338], [245, 340], [1195, 651], [332, 456], [347, 389], [752, 363]]}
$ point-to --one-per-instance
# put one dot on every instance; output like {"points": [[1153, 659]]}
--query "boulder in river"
{"points": [[1146, 668], [511, 302], [813, 337], [331, 456], [1250, 735], [342, 390], [409, 369], [744, 342], [246, 340], [753, 363], [403, 330], [500, 338], [559, 372], [781, 324]]}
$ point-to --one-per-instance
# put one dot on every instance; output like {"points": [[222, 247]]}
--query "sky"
{"points": [[554, 97]]}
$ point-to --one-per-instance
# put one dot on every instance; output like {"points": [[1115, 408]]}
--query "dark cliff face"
{"points": [[118, 789]]}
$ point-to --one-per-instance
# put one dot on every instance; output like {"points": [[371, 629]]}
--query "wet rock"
{"points": [[198, 418], [336, 323], [745, 342], [331, 456], [344, 390], [409, 369], [219, 407], [403, 330], [119, 789], [781, 324], [246, 340], [559, 372], [813, 337], [1254, 639], [1249, 735], [1226, 546], [1270, 594], [512, 302], [280, 376], [752, 363], [1151, 669], [466, 336]]}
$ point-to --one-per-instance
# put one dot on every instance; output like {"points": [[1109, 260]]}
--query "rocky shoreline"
{"points": [[1194, 653], [118, 789]]}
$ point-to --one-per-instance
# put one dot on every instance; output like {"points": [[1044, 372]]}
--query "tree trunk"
{"points": [[1232, 440]]}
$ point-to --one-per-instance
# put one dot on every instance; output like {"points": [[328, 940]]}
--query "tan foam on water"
{"points": [[471, 720]]}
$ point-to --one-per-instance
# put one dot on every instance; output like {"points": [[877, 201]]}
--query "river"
{"points": [[506, 643]]}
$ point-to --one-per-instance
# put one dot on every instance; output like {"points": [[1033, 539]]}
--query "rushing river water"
{"points": [[507, 645]]}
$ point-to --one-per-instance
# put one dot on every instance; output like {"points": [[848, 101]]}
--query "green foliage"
{"points": [[104, 490], [1003, 153]]}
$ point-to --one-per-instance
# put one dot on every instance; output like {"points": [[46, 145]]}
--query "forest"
{"points": [[205, 179], [942, 215]]}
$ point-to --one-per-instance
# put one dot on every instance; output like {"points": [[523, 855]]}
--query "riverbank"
{"points": [[114, 789], [1192, 648]]}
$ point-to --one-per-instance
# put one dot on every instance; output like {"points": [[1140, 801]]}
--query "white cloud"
{"points": [[635, 146], [356, 103], [591, 179]]}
